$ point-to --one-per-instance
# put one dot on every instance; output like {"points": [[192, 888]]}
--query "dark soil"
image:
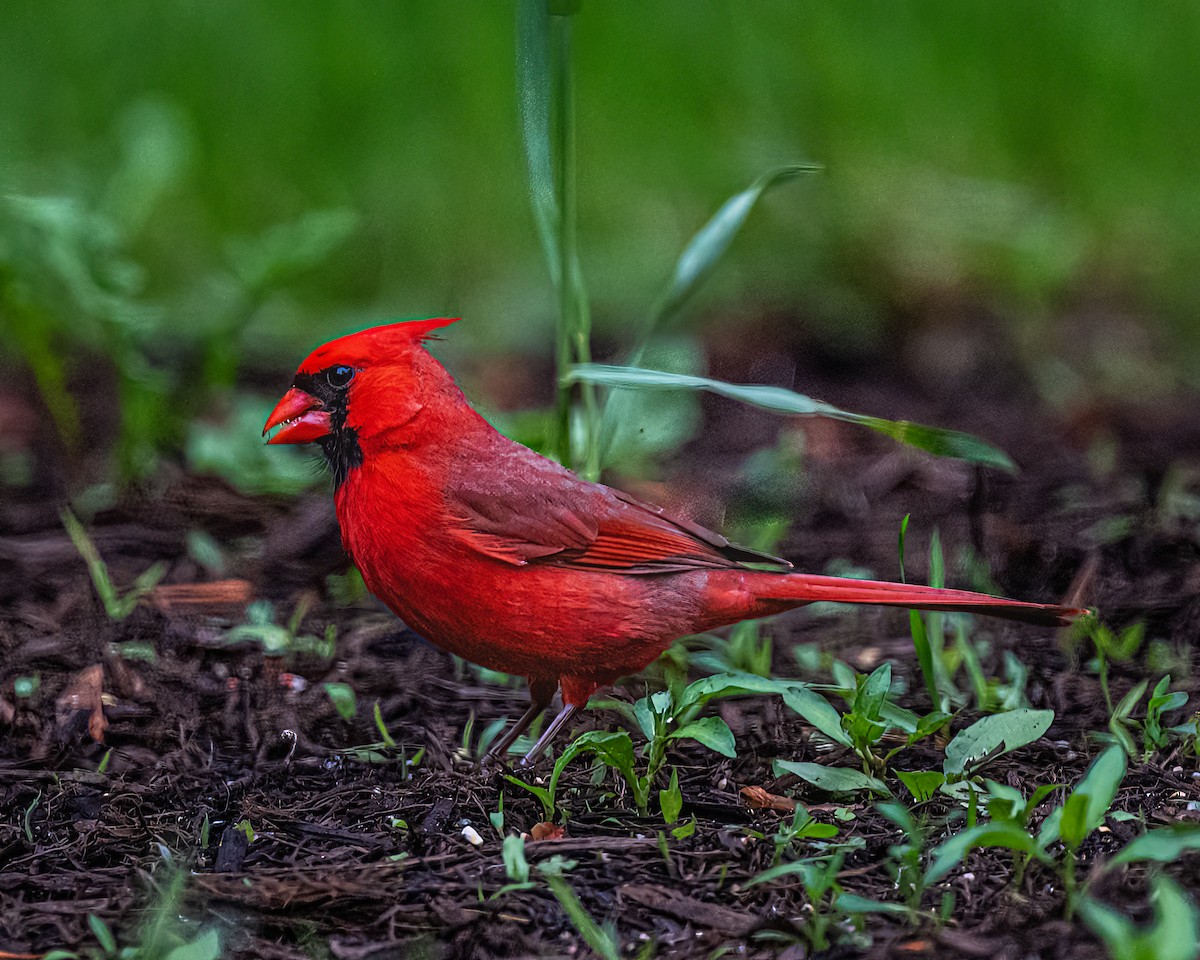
{"points": [[362, 855]]}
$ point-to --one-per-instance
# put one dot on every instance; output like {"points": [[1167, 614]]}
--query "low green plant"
{"points": [[1069, 824], [1173, 934], [905, 857], [117, 606], [801, 828], [1150, 730], [283, 640], [818, 875]]}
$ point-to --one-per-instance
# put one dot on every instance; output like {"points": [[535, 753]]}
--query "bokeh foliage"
{"points": [[238, 180]]}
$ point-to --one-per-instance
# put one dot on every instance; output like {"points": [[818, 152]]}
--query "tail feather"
{"points": [[811, 588]]}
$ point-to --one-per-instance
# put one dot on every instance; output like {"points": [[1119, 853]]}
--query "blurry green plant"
{"points": [[69, 292], [545, 85], [283, 640], [1069, 824], [1173, 934], [116, 605]]}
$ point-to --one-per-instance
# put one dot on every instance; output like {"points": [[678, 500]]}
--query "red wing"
{"points": [[522, 508]]}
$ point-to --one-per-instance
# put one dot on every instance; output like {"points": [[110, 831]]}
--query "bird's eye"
{"points": [[338, 377]]}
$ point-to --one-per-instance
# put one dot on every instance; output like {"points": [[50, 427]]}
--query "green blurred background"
{"points": [[193, 190]]}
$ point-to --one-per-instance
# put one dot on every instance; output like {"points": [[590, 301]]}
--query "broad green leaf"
{"points": [[1164, 845], [921, 783], [873, 692], [832, 779], [1072, 822], [704, 251], [935, 440], [991, 736], [948, 855], [1174, 934], [712, 732], [853, 903], [818, 711], [344, 700], [730, 685], [207, 946], [1099, 785]]}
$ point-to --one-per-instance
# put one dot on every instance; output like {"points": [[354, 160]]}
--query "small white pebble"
{"points": [[968, 877], [724, 782], [1196, 774], [1193, 806], [472, 836]]}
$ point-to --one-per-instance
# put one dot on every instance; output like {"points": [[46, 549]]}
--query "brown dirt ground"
{"points": [[209, 733]]}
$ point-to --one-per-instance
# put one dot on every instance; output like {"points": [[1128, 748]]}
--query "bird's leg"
{"points": [[568, 711], [541, 692]]}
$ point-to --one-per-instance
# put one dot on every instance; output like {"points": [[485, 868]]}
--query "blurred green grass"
{"points": [[1029, 156]]}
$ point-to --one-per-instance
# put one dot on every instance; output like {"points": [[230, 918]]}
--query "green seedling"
{"points": [[906, 856], [1173, 934], [1069, 824], [286, 640], [345, 702], [1153, 734], [818, 875], [801, 829], [1109, 646], [117, 606]]}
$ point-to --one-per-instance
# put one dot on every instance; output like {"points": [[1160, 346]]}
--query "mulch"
{"points": [[359, 852]]}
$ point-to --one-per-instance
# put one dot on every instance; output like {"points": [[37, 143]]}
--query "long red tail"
{"points": [[810, 588]]}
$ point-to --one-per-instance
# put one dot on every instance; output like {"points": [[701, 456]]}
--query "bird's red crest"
{"points": [[375, 344]]}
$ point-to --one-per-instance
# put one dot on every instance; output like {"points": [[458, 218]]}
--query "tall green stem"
{"points": [[575, 326]]}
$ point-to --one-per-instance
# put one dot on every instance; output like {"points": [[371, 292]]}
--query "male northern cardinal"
{"points": [[510, 560]]}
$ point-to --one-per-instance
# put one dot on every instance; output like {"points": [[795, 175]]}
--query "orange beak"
{"points": [[303, 417]]}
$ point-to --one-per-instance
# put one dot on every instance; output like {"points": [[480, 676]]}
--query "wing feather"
{"points": [[521, 508]]}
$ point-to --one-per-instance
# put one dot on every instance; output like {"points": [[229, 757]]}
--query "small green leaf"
{"points": [[670, 801], [1072, 822], [853, 903], [512, 852], [922, 784], [706, 248], [712, 732], [816, 710], [948, 855], [1164, 845], [344, 700], [832, 779], [102, 933], [991, 736], [207, 946], [805, 868]]}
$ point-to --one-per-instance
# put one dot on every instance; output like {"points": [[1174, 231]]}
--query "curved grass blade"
{"points": [[704, 251], [935, 440]]}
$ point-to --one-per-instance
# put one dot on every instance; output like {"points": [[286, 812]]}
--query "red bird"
{"points": [[513, 562]]}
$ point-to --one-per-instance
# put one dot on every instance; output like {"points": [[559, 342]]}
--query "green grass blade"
{"points": [[704, 251], [533, 102], [595, 937], [935, 440]]}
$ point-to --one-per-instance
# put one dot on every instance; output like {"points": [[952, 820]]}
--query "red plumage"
{"points": [[511, 561]]}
